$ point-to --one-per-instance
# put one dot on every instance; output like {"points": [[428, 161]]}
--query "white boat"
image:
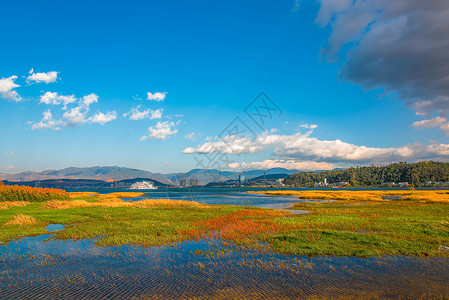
{"points": [[143, 185]]}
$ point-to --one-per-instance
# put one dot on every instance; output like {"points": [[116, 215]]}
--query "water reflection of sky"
{"points": [[229, 197], [67, 269]]}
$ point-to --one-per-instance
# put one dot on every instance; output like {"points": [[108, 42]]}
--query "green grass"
{"points": [[119, 225], [365, 229]]}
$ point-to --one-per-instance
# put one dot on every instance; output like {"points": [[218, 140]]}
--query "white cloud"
{"points": [[191, 136], [102, 118], [55, 99], [89, 99], [435, 122], [136, 114], [429, 123], [47, 121], [309, 126], [156, 114], [7, 86], [156, 96], [161, 131], [47, 78], [76, 116], [300, 146], [281, 163]]}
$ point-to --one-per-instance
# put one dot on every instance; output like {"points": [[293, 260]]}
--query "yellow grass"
{"points": [[8, 204], [98, 196], [121, 195], [348, 195], [21, 219], [116, 202], [81, 194], [168, 202]]}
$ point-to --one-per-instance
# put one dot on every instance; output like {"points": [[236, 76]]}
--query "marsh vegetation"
{"points": [[354, 223]]}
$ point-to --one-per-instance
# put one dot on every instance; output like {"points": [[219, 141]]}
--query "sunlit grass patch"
{"points": [[120, 195], [168, 203], [376, 196], [9, 204], [21, 219], [56, 204], [117, 202], [82, 194], [383, 222]]}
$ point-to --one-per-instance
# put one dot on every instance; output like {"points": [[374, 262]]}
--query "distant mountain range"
{"points": [[114, 173], [100, 173]]}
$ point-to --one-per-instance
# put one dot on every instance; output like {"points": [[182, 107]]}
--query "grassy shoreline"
{"points": [[358, 223]]}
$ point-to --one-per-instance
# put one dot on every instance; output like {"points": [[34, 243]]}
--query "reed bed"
{"points": [[30, 194], [9, 204], [21, 219], [121, 195], [376, 196], [117, 202], [82, 194]]}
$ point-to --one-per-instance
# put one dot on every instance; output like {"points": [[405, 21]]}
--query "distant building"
{"points": [[193, 182], [325, 181], [188, 182], [242, 178]]}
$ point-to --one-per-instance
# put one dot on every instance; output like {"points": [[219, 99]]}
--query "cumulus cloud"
{"points": [[89, 99], [47, 78], [300, 146], [437, 121], [47, 122], [76, 116], [7, 86], [55, 99], [156, 96], [102, 118], [136, 114], [161, 131], [400, 46], [282, 163], [440, 122]]}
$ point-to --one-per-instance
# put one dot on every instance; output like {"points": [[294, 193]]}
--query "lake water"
{"points": [[43, 268], [229, 196]]}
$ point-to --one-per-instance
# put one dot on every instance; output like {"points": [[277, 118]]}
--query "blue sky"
{"points": [[75, 79]]}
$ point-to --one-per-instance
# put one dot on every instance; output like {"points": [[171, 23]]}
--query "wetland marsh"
{"points": [[344, 243]]}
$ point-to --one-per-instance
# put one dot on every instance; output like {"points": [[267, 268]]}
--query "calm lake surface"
{"points": [[42, 267]]}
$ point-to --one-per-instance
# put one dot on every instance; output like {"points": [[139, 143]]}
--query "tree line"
{"points": [[414, 174]]}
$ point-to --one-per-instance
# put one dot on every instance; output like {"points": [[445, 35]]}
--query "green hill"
{"points": [[413, 173]]}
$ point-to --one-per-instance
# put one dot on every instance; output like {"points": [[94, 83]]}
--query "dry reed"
{"points": [[21, 219]]}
